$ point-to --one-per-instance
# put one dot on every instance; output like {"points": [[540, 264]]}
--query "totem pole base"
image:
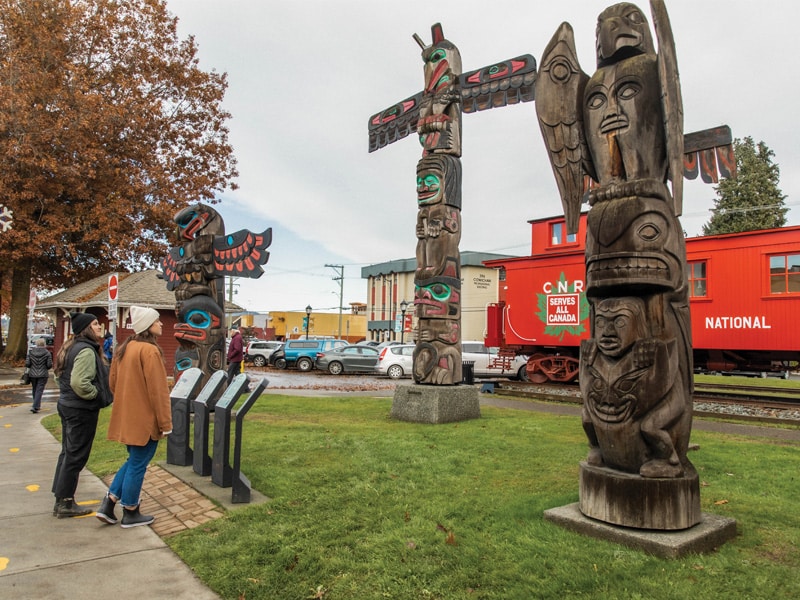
{"points": [[435, 403], [631, 500], [709, 534]]}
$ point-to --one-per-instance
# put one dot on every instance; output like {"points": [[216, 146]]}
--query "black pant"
{"points": [[78, 427], [234, 369]]}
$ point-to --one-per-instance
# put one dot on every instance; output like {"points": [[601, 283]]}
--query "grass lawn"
{"points": [[364, 507]]}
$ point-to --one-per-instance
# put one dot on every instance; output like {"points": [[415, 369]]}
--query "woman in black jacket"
{"points": [[38, 362]]}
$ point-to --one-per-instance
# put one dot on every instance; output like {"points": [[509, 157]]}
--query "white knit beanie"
{"points": [[142, 318]]}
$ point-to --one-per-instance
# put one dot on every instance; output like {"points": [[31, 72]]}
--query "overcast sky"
{"points": [[305, 76]]}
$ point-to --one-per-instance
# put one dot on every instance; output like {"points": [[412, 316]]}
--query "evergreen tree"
{"points": [[752, 200]]}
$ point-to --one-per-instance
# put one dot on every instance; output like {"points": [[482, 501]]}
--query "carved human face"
{"points": [[430, 187], [616, 328], [438, 299]]}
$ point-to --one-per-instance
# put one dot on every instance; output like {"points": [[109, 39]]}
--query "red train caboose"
{"points": [[745, 298]]}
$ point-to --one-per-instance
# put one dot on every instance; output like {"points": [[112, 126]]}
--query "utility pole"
{"points": [[339, 270]]}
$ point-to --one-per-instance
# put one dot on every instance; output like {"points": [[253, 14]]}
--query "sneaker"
{"points": [[106, 511], [133, 518], [67, 508]]}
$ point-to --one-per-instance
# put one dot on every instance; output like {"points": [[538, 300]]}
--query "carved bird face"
{"points": [[622, 31]]}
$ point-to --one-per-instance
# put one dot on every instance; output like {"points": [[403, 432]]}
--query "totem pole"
{"points": [[435, 114], [195, 269], [623, 127]]}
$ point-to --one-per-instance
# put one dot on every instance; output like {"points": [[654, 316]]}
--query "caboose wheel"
{"points": [[534, 370]]}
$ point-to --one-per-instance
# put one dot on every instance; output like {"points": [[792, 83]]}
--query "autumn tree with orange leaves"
{"points": [[107, 128]]}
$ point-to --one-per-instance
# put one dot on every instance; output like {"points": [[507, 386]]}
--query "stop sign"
{"points": [[113, 287]]}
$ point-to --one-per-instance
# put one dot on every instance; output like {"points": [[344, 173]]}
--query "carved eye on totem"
{"points": [[649, 232], [187, 219], [628, 89], [596, 100], [635, 17], [437, 55], [438, 291], [199, 319]]}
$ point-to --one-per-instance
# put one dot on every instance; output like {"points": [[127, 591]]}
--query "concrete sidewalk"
{"points": [[45, 557]]}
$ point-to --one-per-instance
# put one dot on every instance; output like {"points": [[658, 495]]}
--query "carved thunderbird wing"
{"points": [[559, 102], [242, 253], [169, 268], [394, 123], [508, 82]]}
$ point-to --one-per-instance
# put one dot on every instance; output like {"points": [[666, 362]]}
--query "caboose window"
{"points": [[558, 234], [696, 276], [784, 274]]}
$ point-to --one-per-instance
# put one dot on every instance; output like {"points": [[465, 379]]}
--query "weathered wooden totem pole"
{"points": [[435, 114], [195, 269], [623, 126]]}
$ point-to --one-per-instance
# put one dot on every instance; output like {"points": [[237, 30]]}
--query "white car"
{"points": [[489, 363], [396, 361], [259, 351]]}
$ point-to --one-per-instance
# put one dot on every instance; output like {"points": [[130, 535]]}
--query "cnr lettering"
{"points": [[562, 287]]}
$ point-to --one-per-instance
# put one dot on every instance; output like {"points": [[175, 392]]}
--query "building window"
{"points": [[697, 278], [558, 234], [784, 274]]}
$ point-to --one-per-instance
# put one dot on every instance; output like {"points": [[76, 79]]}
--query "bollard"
{"points": [[468, 372], [203, 404], [221, 472], [183, 392], [241, 484]]}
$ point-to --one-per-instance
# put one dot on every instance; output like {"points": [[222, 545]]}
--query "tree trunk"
{"points": [[16, 348]]}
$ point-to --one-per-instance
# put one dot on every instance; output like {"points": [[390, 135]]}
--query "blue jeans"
{"points": [[127, 484]]}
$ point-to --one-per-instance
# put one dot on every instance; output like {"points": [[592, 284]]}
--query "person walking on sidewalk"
{"points": [[141, 414], [235, 354], [38, 362], [83, 390]]}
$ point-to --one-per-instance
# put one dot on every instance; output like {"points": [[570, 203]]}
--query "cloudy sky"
{"points": [[305, 76]]}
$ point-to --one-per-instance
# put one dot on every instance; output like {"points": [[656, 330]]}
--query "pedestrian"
{"points": [[141, 414], [83, 390], [38, 362], [235, 354], [108, 346]]}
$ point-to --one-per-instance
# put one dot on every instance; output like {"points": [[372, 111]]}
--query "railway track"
{"points": [[750, 403]]}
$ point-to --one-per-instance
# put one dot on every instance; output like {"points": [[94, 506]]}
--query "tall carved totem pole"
{"points": [[435, 114], [623, 126], [195, 269]]}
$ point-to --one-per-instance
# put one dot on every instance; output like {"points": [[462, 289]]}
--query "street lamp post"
{"points": [[403, 307], [308, 319]]}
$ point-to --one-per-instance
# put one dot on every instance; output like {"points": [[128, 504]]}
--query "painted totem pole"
{"points": [[195, 269], [435, 114], [623, 127]]}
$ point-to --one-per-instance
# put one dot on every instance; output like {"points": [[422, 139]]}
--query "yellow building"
{"points": [[291, 325]]}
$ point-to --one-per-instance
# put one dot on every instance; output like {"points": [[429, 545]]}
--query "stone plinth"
{"points": [[709, 534], [628, 499], [435, 403]]}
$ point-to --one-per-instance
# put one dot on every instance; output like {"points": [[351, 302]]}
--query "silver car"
{"points": [[488, 362], [396, 361], [348, 359]]}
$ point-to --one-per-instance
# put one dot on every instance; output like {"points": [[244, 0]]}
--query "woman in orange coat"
{"points": [[141, 414]]}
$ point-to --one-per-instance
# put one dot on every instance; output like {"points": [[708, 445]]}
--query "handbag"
{"points": [[26, 378]]}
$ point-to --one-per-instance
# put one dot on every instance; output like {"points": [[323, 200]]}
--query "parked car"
{"points": [[259, 351], [302, 353], [489, 363], [396, 360], [348, 359]]}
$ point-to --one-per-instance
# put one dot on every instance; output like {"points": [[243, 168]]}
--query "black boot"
{"points": [[106, 511], [66, 508], [55, 507], [131, 517]]}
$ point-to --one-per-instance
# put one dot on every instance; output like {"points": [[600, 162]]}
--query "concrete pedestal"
{"points": [[709, 534], [628, 499], [435, 403]]}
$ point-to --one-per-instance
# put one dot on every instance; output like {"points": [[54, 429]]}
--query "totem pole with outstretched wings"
{"points": [[195, 269], [435, 114]]}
